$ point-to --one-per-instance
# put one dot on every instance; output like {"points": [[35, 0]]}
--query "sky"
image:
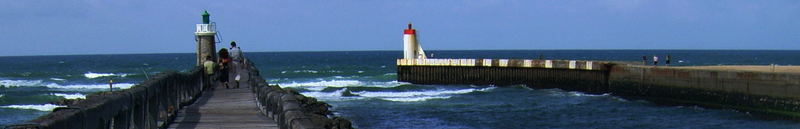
{"points": [[68, 27]]}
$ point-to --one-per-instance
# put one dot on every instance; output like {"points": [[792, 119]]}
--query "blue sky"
{"points": [[57, 27]]}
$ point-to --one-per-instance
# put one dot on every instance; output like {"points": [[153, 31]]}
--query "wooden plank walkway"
{"points": [[224, 109]]}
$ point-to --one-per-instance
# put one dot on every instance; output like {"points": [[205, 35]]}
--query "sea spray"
{"points": [[40, 83], [70, 96], [42, 107], [320, 85], [92, 75]]}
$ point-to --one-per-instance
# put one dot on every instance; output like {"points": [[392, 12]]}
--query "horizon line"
{"points": [[290, 51]]}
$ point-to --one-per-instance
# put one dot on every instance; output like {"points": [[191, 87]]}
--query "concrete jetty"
{"points": [[772, 90], [757, 89]]}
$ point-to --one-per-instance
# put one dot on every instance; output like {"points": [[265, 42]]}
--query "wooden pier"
{"points": [[182, 101], [224, 109]]}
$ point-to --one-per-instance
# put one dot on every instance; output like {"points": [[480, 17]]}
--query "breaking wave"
{"points": [[415, 99], [418, 93], [20, 82], [320, 94], [399, 96], [320, 85], [91, 75], [70, 96], [43, 107], [91, 86], [40, 83], [559, 92]]}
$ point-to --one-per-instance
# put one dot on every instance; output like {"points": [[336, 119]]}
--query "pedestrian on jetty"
{"points": [[644, 60], [224, 67], [668, 58], [208, 68], [655, 60], [236, 55]]}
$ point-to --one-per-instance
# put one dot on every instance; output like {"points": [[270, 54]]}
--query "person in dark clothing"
{"points": [[224, 66], [669, 57], [644, 60]]}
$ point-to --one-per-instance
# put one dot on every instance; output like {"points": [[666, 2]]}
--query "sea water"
{"points": [[362, 86]]}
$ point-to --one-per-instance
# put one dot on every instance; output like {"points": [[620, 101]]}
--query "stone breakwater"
{"points": [[293, 110]]}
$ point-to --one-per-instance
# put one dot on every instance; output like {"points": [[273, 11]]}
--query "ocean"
{"points": [[362, 86]]}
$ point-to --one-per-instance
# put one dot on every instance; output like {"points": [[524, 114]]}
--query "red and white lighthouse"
{"points": [[411, 48]]}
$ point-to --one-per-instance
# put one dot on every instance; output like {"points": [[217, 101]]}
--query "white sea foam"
{"points": [[91, 86], [43, 107], [20, 82], [322, 84], [306, 71], [405, 96], [1, 95], [416, 99], [559, 92], [57, 79], [319, 94], [91, 75], [71, 96], [96, 75], [416, 96], [40, 83], [573, 93], [419, 93]]}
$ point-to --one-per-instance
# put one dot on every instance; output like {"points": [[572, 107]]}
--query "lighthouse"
{"points": [[204, 35], [411, 47]]}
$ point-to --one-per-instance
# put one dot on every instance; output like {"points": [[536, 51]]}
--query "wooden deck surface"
{"points": [[224, 109]]}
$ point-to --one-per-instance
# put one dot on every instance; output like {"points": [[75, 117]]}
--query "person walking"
{"points": [[655, 60], [237, 57], [224, 67], [668, 58], [644, 60], [208, 67]]}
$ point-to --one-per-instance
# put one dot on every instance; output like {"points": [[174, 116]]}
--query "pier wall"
{"points": [[776, 94], [585, 76], [291, 109], [150, 104], [764, 92]]}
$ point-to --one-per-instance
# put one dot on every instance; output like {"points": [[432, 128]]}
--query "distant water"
{"points": [[362, 86]]}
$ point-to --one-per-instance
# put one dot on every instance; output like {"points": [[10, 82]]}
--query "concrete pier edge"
{"points": [[765, 94]]}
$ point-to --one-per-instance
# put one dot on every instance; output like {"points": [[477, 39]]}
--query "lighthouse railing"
{"points": [[205, 28]]}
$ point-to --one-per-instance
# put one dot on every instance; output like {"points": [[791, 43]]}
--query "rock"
{"points": [[341, 123]]}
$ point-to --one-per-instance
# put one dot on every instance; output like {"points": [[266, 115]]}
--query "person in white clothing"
{"points": [[236, 63], [655, 60]]}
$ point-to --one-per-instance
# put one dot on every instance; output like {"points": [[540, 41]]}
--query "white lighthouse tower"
{"points": [[411, 48]]}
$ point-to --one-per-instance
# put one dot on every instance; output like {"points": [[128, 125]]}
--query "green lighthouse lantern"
{"points": [[206, 18]]}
